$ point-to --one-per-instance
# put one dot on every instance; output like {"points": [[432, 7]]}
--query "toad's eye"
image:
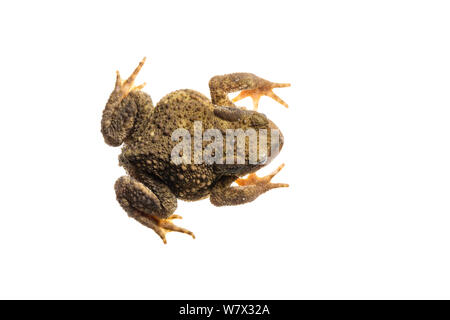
{"points": [[259, 120]]}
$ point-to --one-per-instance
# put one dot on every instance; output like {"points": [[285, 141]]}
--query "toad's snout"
{"points": [[277, 138], [275, 142]]}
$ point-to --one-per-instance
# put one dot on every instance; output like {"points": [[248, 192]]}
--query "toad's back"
{"points": [[150, 152]]}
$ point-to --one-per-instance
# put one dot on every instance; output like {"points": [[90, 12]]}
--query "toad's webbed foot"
{"points": [[223, 194], [162, 226], [125, 86], [151, 203], [256, 94], [126, 105], [253, 179], [250, 84]]}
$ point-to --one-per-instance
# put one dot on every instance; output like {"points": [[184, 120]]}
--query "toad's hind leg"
{"points": [[251, 86], [152, 204], [125, 105]]}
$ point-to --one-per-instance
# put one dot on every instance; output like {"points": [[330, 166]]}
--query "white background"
{"points": [[367, 150]]}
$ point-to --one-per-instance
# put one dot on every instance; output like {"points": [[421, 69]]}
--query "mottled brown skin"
{"points": [[149, 193]]}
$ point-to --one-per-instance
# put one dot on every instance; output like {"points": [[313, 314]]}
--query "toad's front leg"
{"points": [[247, 190], [152, 204], [251, 86]]}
